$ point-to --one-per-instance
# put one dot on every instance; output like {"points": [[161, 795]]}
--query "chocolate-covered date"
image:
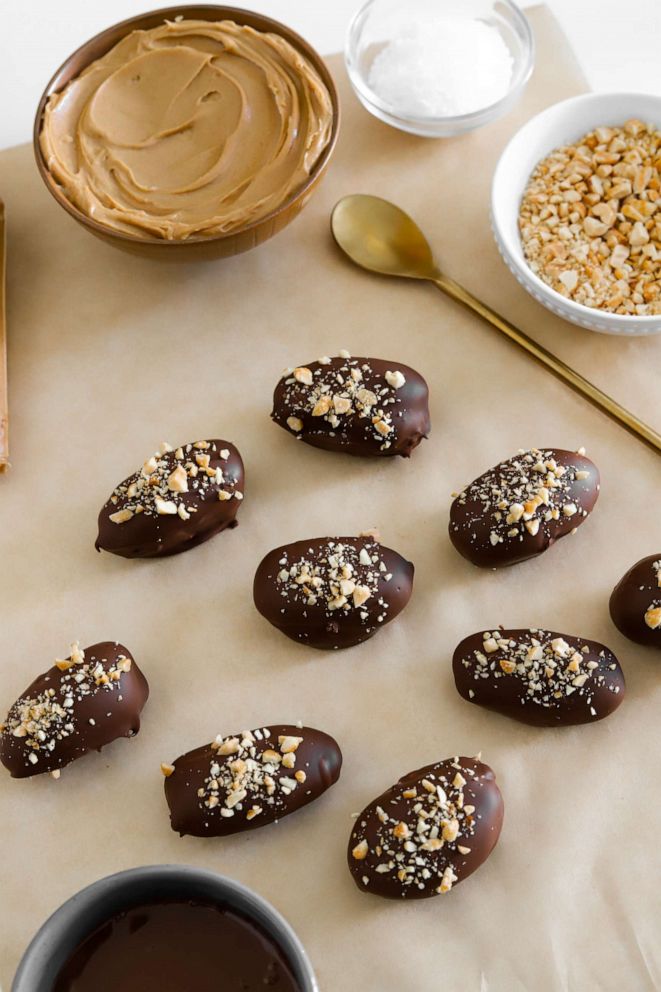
{"points": [[520, 508], [362, 406], [539, 677], [81, 704], [635, 603], [428, 832], [178, 499], [332, 592], [247, 780]]}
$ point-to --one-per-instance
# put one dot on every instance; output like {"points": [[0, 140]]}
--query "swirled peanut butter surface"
{"points": [[189, 129]]}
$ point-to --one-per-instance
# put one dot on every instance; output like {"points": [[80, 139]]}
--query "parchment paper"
{"points": [[110, 354]]}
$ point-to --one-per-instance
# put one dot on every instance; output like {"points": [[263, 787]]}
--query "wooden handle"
{"points": [[583, 386], [4, 402]]}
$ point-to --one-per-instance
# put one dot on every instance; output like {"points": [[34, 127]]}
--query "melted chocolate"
{"points": [[635, 603], [521, 507], [177, 500], [247, 780], [331, 593], [539, 677], [428, 832], [177, 947], [80, 704], [361, 406]]}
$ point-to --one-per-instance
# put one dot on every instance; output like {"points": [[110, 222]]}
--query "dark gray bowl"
{"points": [[77, 917]]}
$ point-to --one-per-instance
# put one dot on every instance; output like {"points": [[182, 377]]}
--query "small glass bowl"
{"points": [[380, 21]]}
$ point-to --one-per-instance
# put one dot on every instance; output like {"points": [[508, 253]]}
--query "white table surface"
{"points": [[617, 44]]}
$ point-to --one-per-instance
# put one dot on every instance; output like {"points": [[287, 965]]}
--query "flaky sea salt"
{"points": [[442, 66]]}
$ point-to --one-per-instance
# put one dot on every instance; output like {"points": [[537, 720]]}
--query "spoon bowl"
{"points": [[378, 236]]}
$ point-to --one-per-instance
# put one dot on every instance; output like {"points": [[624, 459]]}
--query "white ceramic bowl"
{"points": [[562, 123]]}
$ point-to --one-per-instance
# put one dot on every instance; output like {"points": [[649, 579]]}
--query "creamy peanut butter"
{"points": [[189, 129]]}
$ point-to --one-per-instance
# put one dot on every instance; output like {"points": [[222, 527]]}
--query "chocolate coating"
{"points": [[539, 677], [176, 501], [176, 947], [332, 592], [518, 509], [80, 704], [635, 603], [247, 780], [361, 406], [428, 832]]}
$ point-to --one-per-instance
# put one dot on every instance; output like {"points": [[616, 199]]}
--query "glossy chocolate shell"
{"points": [[635, 603], [428, 832], [361, 406], [521, 507], [247, 780], [177, 500], [538, 676], [331, 593], [80, 704]]}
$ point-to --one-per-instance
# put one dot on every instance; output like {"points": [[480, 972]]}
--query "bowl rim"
{"points": [[193, 12], [514, 249], [461, 121], [87, 899]]}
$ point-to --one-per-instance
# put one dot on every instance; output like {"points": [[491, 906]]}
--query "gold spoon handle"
{"points": [[556, 365]]}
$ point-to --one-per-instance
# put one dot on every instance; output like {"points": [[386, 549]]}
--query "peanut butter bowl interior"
{"points": [[176, 133]]}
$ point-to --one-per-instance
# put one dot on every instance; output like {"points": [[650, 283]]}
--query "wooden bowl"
{"points": [[211, 246]]}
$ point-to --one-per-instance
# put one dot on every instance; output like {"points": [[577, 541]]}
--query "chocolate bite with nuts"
{"points": [[635, 603], [539, 677], [332, 592], [521, 507], [247, 780], [81, 704], [178, 499], [428, 832], [362, 406]]}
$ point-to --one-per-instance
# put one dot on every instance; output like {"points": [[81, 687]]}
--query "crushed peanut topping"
{"points": [[653, 612], [548, 668], [336, 391], [522, 495], [590, 221], [653, 617], [340, 577], [251, 773], [395, 379], [174, 483], [360, 850], [43, 720]]}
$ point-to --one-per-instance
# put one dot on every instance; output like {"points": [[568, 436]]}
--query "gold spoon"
{"points": [[378, 236]]}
